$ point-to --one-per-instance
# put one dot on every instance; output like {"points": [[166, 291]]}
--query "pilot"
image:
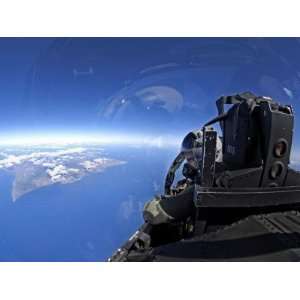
{"points": [[176, 205]]}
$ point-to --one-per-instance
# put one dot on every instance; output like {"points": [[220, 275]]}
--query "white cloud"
{"points": [[130, 207], [48, 165], [38, 158], [10, 161], [89, 165], [56, 174], [100, 160], [288, 92], [73, 171]]}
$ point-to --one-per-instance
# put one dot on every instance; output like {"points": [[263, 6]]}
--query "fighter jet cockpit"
{"points": [[251, 187]]}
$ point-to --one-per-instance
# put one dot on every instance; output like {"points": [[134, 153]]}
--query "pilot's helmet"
{"points": [[192, 144]]}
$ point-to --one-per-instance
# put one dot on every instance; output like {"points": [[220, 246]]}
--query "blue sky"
{"points": [[135, 86]]}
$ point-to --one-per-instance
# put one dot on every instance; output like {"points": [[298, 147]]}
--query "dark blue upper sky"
{"points": [[136, 85]]}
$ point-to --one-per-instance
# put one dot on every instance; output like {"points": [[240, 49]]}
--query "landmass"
{"points": [[38, 169]]}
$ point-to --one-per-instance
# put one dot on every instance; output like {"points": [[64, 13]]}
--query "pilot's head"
{"points": [[192, 145]]}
